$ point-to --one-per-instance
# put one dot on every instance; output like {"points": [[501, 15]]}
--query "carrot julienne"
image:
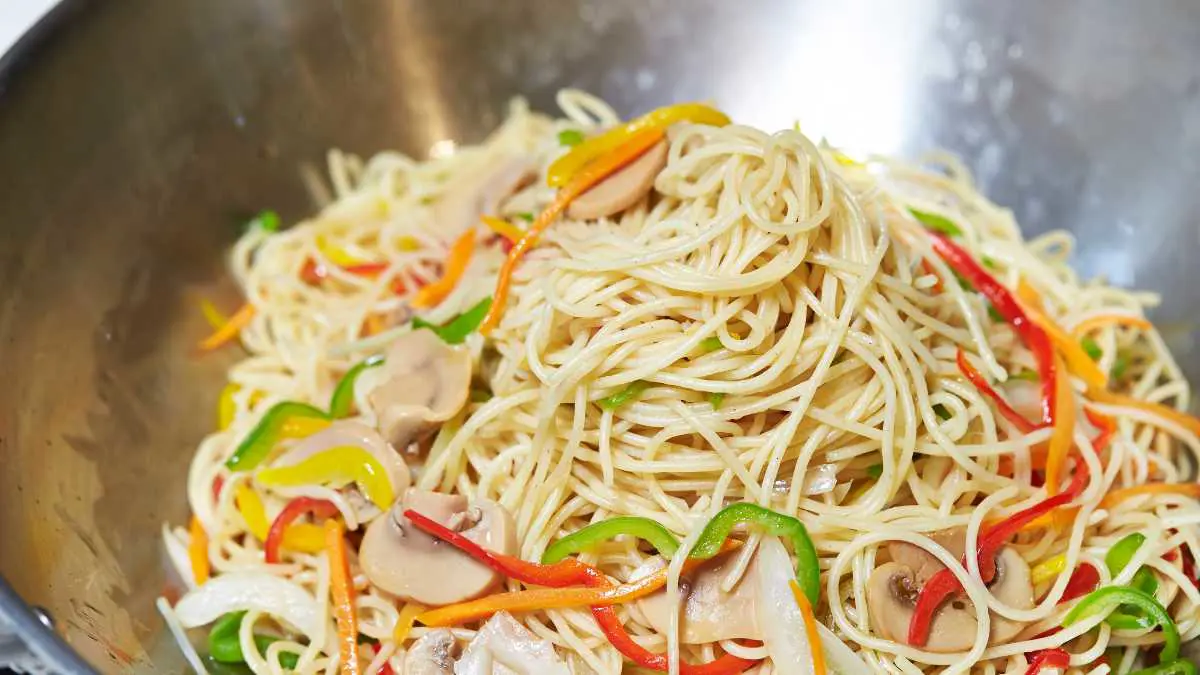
{"points": [[229, 330], [600, 168], [810, 629], [1096, 322], [456, 264], [1117, 496], [1062, 437], [1183, 419], [341, 587]]}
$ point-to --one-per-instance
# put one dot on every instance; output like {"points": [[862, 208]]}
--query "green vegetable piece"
{"points": [[1105, 600], [937, 223], [1180, 667], [258, 443], [526, 216], [1122, 552], [989, 262], [630, 392], [268, 221], [710, 344], [994, 314], [1026, 375], [715, 399], [570, 138], [225, 647], [808, 573], [343, 394], [1093, 350], [456, 330], [588, 538], [941, 411], [1120, 366], [875, 471], [480, 396], [1117, 559]]}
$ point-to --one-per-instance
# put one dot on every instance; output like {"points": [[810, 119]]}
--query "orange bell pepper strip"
{"points": [[604, 166], [1157, 409], [1078, 361], [1117, 496], [229, 330], [456, 264], [341, 587], [198, 551], [504, 228], [1096, 322], [1063, 434]]}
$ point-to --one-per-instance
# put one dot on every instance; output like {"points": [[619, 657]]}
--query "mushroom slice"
{"points": [[343, 433], [922, 562], [424, 382], [481, 192], [406, 562], [709, 613], [503, 645], [1012, 586], [623, 189], [432, 654], [892, 596]]}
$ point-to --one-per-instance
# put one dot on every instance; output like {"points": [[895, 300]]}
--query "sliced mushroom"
{"points": [[1012, 586], [432, 654], [408, 563], [922, 562], [503, 645], [345, 433], [481, 192], [424, 383], [892, 596], [623, 189], [709, 613]]}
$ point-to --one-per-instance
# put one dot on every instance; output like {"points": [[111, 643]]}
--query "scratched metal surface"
{"points": [[135, 135]]}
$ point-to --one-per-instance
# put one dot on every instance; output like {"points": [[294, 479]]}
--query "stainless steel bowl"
{"points": [[135, 136]]}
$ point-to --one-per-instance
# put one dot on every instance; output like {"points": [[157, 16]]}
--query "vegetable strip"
{"points": [[1062, 436], [456, 264], [1107, 599], [229, 330], [1117, 496], [302, 537], [593, 535], [976, 378], [280, 527], [198, 551], [341, 588], [1097, 322], [810, 628]]}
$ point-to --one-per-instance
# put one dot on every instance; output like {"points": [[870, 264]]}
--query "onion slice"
{"points": [[256, 591]]}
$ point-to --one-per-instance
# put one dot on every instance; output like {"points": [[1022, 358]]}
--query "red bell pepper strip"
{"points": [[1083, 580], [1048, 659], [321, 508], [981, 383], [570, 572], [1030, 333]]}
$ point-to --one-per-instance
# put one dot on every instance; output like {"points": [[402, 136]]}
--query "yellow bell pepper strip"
{"points": [[215, 317], [321, 508], [404, 623], [504, 228], [593, 535], [810, 628], [1048, 569], [342, 401], [456, 264], [1105, 600], [1078, 361], [341, 588], [1097, 322], [1117, 496], [336, 254], [574, 162], [226, 408], [1061, 437], [303, 537], [630, 149], [340, 465], [288, 419], [198, 551], [229, 330], [1157, 409]]}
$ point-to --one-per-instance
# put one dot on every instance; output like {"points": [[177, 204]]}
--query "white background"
{"points": [[16, 16]]}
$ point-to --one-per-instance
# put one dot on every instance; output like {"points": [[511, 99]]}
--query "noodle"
{"points": [[831, 392]]}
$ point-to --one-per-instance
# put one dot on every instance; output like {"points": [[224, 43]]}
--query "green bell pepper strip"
{"points": [[808, 572], [1180, 667], [343, 394], [258, 443], [456, 330], [591, 536], [630, 392], [936, 222], [1105, 600], [224, 646], [340, 465], [1117, 559]]}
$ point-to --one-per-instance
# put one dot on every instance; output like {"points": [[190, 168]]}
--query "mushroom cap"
{"points": [[408, 563], [432, 654], [480, 192], [424, 382], [709, 613], [1012, 586], [622, 189], [891, 597], [343, 433], [922, 562]]}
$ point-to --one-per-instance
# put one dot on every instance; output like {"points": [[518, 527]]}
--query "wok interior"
{"points": [[136, 137]]}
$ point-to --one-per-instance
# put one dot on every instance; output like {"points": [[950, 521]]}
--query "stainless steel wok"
{"points": [[135, 136]]}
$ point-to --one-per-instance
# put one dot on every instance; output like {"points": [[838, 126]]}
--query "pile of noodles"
{"points": [[836, 364]]}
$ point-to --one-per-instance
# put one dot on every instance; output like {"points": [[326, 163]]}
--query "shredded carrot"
{"points": [[1183, 419], [456, 264], [1088, 325], [810, 629], [600, 168], [341, 586], [927, 267], [1062, 437], [198, 550], [1117, 496], [215, 317], [229, 330], [555, 598], [404, 623], [504, 228]]}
